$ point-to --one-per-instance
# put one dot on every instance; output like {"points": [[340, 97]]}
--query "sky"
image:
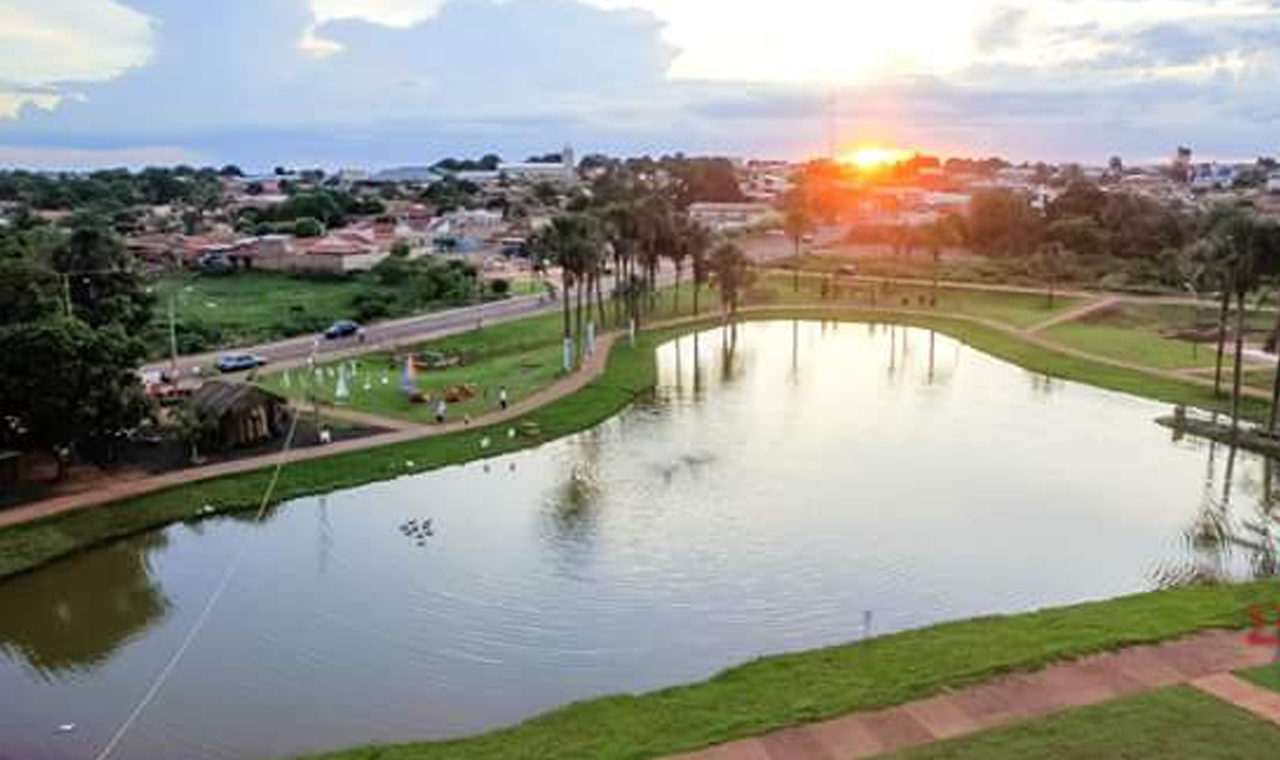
{"points": [[374, 83]]}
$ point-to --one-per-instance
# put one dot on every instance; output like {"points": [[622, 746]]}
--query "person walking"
{"points": [[442, 409], [502, 398]]}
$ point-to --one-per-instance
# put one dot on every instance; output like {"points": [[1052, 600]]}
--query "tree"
{"points": [[28, 291], [938, 236], [797, 225], [65, 382], [1002, 223], [572, 241], [308, 227], [1081, 235], [697, 242], [732, 274], [1050, 263], [101, 278]]}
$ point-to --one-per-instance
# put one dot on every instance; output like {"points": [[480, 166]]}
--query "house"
{"points": [[1206, 177], [1273, 183], [239, 414]]}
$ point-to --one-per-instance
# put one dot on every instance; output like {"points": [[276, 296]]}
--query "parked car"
{"points": [[848, 269], [239, 362], [342, 329]]}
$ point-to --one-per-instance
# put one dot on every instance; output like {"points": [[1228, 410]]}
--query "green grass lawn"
{"points": [[1267, 676], [375, 386], [251, 307], [1172, 724], [1133, 344], [1143, 333], [1020, 310]]}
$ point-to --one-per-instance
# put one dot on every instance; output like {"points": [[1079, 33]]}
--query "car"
{"points": [[848, 269], [342, 329], [239, 362]]}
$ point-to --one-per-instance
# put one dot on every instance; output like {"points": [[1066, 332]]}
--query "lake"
{"points": [[788, 486]]}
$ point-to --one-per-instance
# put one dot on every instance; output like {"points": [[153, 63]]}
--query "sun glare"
{"points": [[876, 157]]}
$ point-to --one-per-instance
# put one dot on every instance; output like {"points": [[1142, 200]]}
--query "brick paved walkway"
{"points": [[1204, 660]]}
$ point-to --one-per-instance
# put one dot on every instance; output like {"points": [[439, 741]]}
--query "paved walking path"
{"points": [[117, 489], [1080, 312], [1204, 660], [1264, 703]]}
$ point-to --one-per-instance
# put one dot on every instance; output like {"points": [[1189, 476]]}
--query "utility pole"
{"points": [[173, 338]]}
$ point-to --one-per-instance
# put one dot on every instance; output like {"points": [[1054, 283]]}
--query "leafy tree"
{"points": [[28, 291], [1002, 223], [104, 282], [308, 227], [64, 381], [1081, 235]]}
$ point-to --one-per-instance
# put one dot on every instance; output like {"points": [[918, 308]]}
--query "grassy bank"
{"points": [[777, 692], [1172, 724], [630, 371]]}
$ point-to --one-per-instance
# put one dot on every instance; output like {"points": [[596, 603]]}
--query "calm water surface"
{"points": [[782, 490]]}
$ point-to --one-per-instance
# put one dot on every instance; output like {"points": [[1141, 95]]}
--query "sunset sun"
{"points": [[870, 157]]}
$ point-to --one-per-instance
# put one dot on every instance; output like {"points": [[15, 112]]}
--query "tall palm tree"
{"points": [[1225, 228], [698, 242], [1242, 236], [571, 242], [732, 274]]}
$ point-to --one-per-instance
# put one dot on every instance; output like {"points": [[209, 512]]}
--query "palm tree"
{"points": [[571, 242], [938, 236], [1226, 229], [1242, 238], [698, 243], [732, 274], [796, 225]]}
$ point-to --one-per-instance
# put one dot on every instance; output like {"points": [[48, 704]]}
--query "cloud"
{"points": [[409, 80]]}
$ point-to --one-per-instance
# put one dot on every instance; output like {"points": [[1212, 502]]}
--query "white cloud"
{"points": [[232, 76], [44, 41]]}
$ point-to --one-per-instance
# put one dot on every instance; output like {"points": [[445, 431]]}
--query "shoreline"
{"points": [[626, 373]]}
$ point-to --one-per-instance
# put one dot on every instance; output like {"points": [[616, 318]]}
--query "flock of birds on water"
{"points": [[418, 531]]}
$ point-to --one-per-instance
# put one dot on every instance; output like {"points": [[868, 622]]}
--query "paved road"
{"points": [[416, 329], [409, 329]]}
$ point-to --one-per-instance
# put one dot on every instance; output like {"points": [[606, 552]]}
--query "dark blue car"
{"points": [[343, 329]]}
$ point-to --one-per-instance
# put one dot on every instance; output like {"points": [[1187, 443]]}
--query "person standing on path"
{"points": [[442, 409], [502, 397]]}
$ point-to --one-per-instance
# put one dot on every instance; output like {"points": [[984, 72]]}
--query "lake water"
{"points": [[793, 486]]}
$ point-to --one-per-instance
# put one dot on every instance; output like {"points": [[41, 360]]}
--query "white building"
{"points": [[1206, 177], [724, 217], [1273, 183]]}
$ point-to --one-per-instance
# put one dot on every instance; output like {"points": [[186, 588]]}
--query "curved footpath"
{"points": [[402, 431]]}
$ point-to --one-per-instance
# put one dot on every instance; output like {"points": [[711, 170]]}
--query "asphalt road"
{"points": [[409, 329]]}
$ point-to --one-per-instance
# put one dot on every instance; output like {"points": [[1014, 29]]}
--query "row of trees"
{"points": [[622, 234]]}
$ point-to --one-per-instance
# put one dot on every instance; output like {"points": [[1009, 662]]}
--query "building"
{"points": [[239, 414], [725, 217], [1205, 177], [564, 172], [1273, 183]]}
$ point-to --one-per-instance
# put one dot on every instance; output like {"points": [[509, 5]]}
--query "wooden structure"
{"points": [[240, 414]]}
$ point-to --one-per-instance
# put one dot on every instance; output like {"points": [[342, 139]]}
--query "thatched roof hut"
{"points": [[241, 414]]}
